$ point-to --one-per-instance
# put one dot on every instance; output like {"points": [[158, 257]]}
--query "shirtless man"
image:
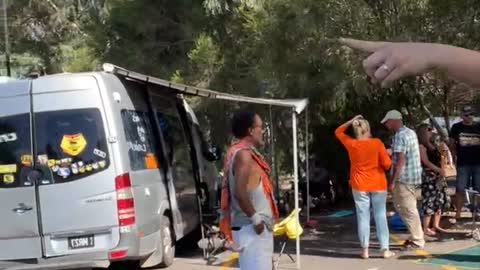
{"points": [[247, 198]]}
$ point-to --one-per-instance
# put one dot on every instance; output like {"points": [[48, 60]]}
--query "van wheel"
{"points": [[167, 243]]}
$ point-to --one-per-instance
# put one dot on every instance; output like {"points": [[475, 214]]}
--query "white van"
{"points": [[97, 168]]}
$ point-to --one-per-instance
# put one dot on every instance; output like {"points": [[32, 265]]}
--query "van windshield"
{"points": [[15, 149], [71, 144]]}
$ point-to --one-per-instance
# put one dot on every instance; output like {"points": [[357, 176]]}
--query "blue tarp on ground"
{"points": [[465, 258], [396, 222], [342, 213]]}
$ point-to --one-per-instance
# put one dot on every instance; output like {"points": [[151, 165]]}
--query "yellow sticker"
{"points": [[8, 178], [10, 168], [51, 162], [102, 164], [89, 168], [27, 160], [81, 169], [73, 145], [58, 162]]}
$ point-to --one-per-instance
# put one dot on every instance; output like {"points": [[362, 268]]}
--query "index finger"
{"points": [[363, 45]]}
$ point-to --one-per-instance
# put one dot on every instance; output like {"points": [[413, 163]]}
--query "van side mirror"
{"points": [[214, 153]]}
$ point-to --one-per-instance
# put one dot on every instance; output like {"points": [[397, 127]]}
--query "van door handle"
{"points": [[22, 208]]}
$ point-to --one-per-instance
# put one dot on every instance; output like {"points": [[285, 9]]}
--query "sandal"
{"points": [[409, 245]]}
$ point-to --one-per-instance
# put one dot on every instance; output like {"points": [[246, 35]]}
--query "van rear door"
{"points": [[19, 233], [77, 197], [178, 150]]}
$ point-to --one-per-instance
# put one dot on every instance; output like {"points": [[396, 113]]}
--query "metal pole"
{"points": [[272, 155], [295, 177], [7, 43], [307, 164]]}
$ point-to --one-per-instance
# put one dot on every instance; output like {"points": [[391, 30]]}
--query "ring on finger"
{"points": [[385, 67]]}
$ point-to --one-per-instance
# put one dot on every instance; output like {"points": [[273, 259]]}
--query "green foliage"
{"points": [[266, 48], [78, 58]]}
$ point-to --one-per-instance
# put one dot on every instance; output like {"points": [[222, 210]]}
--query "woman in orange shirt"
{"points": [[368, 162]]}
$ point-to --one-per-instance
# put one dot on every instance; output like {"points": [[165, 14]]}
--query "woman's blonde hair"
{"points": [[361, 127]]}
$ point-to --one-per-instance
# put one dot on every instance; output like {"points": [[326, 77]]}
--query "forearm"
{"points": [[432, 167], [397, 170], [347, 124], [385, 160], [350, 122], [453, 152], [461, 64]]}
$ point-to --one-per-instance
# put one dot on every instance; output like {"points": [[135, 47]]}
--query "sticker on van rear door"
{"points": [[27, 160], [73, 145], [9, 168], [8, 178], [99, 153], [8, 137]]}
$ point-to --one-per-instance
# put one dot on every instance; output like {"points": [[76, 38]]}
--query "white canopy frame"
{"points": [[297, 105]]}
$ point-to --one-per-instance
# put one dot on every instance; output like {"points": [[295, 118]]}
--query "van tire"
{"points": [[166, 243]]}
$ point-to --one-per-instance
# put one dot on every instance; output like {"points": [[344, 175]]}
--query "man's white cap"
{"points": [[392, 115]]}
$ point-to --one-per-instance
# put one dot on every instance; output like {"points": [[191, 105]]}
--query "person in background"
{"points": [[248, 207], [434, 188], [319, 183], [369, 161], [406, 176], [465, 145]]}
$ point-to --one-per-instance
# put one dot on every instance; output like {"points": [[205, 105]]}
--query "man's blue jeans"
{"points": [[378, 201], [468, 175]]}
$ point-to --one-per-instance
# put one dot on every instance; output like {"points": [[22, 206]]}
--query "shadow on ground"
{"points": [[337, 238]]}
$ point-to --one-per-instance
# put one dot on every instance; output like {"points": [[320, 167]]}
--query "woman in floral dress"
{"points": [[434, 188]]}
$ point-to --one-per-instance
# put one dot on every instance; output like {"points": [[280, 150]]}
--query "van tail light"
{"points": [[123, 182], [125, 203], [117, 254]]}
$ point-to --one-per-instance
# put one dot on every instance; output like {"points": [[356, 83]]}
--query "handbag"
{"points": [[447, 163]]}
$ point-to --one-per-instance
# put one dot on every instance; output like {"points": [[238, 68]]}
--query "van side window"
{"points": [[15, 150], [140, 140], [70, 144]]}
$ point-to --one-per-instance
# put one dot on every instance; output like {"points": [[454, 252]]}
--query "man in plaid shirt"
{"points": [[406, 176]]}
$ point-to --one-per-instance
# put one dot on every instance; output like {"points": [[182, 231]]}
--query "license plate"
{"points": [[86, 241]]}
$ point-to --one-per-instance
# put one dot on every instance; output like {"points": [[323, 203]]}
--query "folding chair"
{"points": [[288, 229], [212, 242]]}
